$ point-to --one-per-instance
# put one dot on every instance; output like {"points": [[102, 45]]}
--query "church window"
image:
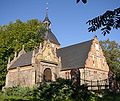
{"points": [[93, 60], [48, 46], [97, 47], [95, 75], [103, 62], [53, 45], [67, 75], [93, 57]]}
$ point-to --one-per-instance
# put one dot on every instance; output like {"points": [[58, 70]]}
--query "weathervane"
{"points": [[47, 8]]}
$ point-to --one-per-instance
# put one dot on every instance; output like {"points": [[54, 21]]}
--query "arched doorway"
{"points": [[75, 76], [47, 74]]}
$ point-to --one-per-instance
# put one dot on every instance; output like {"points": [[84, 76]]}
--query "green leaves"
{"points": [[108, 21], [84, 1], [13, 36], [111, 51]]}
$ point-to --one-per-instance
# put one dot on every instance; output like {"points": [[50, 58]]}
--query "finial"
{"points": [[9, 60], [23, 47], [95, 36], [46, 20], [22, 51], [33, 57], [47, 9], [40, 47], [15, 55], [33, 53]]}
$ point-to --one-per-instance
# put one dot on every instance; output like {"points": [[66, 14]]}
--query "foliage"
{"points": [[18, 91], [13, 36], [84, 1], [106, 21], [61, 90], [111, 51]]}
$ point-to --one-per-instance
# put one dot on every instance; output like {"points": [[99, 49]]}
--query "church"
{"points": [[84, 61]]}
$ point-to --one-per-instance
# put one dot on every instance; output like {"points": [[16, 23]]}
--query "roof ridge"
{"points": [[77, 44]]}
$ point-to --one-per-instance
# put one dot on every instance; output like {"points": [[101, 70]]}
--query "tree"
{"points": [[106, 21], [111, 51], [109, 20], [13, 36], [84, 1]]}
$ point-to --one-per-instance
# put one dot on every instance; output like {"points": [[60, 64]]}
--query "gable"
{"points": [[96, 59], [48, 53]]}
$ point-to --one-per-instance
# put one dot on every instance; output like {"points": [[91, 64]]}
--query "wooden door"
{"points": [[47, 74]]}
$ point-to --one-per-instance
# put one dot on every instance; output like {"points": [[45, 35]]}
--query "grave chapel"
{"points": [[84, 61]]}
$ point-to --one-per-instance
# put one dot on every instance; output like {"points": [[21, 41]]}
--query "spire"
{"points": [[46, 9], [46, 20]]}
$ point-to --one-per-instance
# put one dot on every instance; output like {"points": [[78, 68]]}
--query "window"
{"points": [[93, 60], [67, 75], [96, 46]]}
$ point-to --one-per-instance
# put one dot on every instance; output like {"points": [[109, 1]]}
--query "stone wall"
{"points": [[24, 76]]}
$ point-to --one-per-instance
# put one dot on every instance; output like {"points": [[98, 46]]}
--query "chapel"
{"points": [[83, 61]]}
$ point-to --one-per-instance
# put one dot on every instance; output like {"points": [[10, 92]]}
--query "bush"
{"points": [[61, 90], [18, 91]]}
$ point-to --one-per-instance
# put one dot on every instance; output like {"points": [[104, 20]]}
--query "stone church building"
{"points": [[49, 62]]}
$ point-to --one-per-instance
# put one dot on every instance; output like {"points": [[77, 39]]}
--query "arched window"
{"points": [[47, 74]]}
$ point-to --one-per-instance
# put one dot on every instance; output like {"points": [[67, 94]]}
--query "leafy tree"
{"points": [[107, 21], [13, 36], [84, 1], [111, 51]]}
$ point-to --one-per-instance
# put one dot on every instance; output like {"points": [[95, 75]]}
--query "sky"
{"points": [[68, 18]]}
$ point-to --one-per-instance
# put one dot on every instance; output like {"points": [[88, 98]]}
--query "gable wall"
{"points": [[96, 67]]}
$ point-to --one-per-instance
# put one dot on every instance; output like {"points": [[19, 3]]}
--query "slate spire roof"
{"points": [[23, 60], [51, 37], [46, 20], [48, 34]]}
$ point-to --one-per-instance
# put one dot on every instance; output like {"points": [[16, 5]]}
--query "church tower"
{"points": [[49, 36], [49, 62]]}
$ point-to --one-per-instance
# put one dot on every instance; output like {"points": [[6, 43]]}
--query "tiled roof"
{"points": [[51, 37], [47, 19], [74, 56], [23, 60]]}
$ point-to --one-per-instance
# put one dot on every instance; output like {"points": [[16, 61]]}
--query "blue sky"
{"points": [[68, 18]]}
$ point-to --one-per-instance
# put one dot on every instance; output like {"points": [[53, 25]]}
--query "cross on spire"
{"points": [[47, 9], [46, 20]]}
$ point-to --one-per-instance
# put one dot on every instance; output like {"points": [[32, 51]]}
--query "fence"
{"points": [[96, 85]]}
